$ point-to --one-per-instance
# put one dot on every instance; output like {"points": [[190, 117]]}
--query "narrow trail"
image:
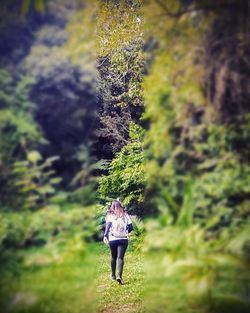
{"points": [[127, 297]]}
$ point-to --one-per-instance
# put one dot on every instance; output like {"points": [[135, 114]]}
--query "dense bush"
{"points": [[211, 272], [27, 229]]}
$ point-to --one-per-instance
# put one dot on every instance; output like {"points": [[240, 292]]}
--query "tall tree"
{"points": [[120, 65], [197, 108]]}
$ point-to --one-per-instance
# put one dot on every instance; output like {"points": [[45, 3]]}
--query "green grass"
{"points": [[34, 281], [173, 294], [165, 294], [41, 285], [38, 281], [125, 298]]}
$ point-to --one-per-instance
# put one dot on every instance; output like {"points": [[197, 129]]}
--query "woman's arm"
{"points": [[107, 229], [106, 232]]}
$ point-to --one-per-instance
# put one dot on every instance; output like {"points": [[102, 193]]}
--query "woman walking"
{"points": [[118, 226]]}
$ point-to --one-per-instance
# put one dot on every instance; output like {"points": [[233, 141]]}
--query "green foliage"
{"points": [[85, 181], [197, 249], [81, 43], [67, 82], [51, 226], [126, 176], [90, 165], [138, 226], [35, 180], [118, 33], [190, 166], [199, 269], [39, 5], [238, 242], [184, 138], [120, 41], [120, 66], [18, 130], [17, 125], [217, 195]]}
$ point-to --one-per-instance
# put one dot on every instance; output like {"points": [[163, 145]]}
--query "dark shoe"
{"points": [[113, 277], [120, 281]]}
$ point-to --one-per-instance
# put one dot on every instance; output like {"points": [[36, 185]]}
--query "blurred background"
{"points": [[145, 100]]}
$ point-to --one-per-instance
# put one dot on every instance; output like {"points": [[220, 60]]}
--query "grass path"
{"points": [[113, 297]]}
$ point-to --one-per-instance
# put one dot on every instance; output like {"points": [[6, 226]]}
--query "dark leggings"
{"points": [[118, 249]]}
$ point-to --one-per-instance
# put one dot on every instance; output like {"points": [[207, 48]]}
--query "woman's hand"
{"points": [[105, 240]]}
